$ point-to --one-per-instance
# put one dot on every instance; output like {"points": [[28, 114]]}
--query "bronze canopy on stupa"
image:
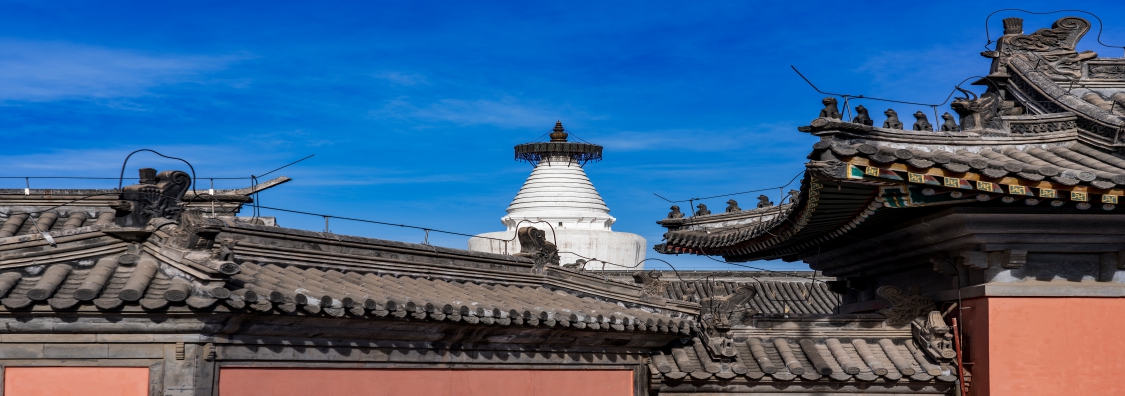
{"points": [[580, 152]]}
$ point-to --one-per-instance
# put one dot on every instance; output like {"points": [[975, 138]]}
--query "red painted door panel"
{"points": [[85, 381], [250, 381]]}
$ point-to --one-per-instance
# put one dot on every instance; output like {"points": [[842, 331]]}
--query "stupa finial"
{"points": [[558, 134], [580, 152]]}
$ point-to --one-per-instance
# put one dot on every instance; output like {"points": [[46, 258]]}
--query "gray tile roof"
{"points": [[1069, 164], [774, 296], [803, 359], [124, 280]]}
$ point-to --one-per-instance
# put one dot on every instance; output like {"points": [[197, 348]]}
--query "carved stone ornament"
{"points": [[225, 250], [534, 245], [978, 114], [892, 121], [652, 288], [195, 231], [948, 125], [934, 336], [702, 210], [764, 202], [194, 237], [156, 196], [828, 169], [732, 206], [904, 308], [830, 110], [1106, 71], [922, 123], [862, 116], [718, 312], [1054, 47], [577, 266], [1042, 127], [1063, 35], [675, 213]]}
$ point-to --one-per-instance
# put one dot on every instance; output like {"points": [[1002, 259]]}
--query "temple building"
{"points": [[993, 241], [559, 199], [147, 291]]}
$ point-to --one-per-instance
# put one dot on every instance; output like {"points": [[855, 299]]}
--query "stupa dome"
{"points": [[559, 199]]}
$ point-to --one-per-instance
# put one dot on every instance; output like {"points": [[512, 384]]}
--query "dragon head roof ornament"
{"points": [[1053, 50]]}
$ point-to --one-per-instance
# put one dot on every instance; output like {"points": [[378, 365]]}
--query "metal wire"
{"points": [[257, 204], [380, 222], [850, 96], [692, 200], [430, 229], [285, 166], [121, 177], [761, 269], [638, 264]]}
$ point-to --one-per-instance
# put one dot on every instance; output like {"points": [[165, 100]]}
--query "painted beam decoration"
{"points": [[1010, 188]]}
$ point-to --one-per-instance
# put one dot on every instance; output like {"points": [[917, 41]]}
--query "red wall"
{"points": [[85, 381], [1046, 345], [249, 381]]}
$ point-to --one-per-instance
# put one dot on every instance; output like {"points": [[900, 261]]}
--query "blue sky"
{"points": [[412, 108]]}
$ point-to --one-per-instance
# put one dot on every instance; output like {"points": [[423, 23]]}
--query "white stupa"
{"points": [[558, 198]]}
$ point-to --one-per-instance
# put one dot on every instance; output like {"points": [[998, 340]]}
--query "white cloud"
{"points": [[46, 70], [400, 78], [507, 112], [293, 139]]}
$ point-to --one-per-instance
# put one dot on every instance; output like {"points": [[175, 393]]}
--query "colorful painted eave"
{"points": [[1008, 189]]}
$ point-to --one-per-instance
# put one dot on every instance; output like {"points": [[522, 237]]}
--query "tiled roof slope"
{"points": [[128, 280], [18, 223], [774, 296], [1066, 164], [273, 270], [802, 359], [818, 212], [778, 292], [34, 219], [722, 219], [44, 219]]}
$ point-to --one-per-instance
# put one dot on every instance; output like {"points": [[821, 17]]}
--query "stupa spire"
{"points": [[559, 134]]}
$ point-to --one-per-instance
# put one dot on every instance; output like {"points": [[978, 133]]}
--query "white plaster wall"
{"points": [[613, 247]]}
